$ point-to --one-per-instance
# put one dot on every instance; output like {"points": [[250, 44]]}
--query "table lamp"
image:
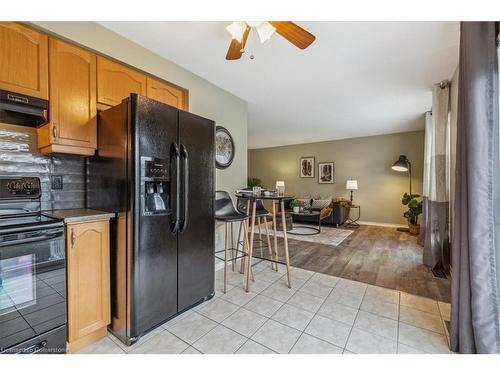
{"points": [[351, 185], [280, 187]]}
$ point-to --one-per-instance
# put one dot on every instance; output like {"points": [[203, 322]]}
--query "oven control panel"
{"points": [[25, 187]]}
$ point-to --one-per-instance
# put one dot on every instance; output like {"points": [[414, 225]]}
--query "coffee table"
{"points": [[311, 228]]}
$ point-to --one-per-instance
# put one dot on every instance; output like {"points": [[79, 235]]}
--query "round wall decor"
{"points": [[224, 147]]}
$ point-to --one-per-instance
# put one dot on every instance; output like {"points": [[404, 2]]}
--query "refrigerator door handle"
{"points": [[185, 156], [175, 224]]}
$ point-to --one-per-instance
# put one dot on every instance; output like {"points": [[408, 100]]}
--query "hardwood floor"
{"points": [[374, 255]]}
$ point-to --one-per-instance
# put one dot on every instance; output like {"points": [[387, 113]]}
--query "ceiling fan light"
{"points": [[237, 29], [265, 30], [254, 23]]}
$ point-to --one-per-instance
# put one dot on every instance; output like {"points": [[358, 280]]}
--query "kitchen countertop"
{"points": [[79, 215]]}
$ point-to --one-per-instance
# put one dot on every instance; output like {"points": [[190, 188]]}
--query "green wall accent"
{"points": [[367, 159]]}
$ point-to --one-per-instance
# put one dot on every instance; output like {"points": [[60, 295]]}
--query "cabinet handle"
{"points": [[73, 237], [54, 131]]}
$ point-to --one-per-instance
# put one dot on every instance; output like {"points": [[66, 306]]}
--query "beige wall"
{"points": [[205, 99], [367, 159]]}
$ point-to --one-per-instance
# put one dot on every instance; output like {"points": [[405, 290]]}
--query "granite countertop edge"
{"points": [[79, 215]]}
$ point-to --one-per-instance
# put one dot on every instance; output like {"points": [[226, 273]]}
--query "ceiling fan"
{"points": [[240, 30]]}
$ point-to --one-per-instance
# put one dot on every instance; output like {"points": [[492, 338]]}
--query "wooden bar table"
{"points": [[275, 200]]}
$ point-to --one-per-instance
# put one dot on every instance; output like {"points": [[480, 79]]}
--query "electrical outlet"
{"points": [[56, 182]]}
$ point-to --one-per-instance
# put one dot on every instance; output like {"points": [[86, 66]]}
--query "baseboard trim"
{"points": [[390, 225]]}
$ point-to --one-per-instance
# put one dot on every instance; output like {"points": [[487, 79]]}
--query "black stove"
{"points": [[32, 271], [19, 223]]}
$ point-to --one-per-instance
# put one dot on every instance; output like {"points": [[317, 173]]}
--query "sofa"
{"points": [[333, 211]]}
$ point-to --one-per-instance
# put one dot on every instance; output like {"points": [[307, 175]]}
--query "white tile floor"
{"points": [[319, 314]]}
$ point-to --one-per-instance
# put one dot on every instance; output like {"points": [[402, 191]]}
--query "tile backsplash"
{"points": [[19, 157]]}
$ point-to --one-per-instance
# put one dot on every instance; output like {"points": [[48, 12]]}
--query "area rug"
{"points": [[328, 236]]}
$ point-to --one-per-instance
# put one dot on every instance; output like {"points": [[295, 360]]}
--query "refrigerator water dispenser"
{"points": [[155, 186]]}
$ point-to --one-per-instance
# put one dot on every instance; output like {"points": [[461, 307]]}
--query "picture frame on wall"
{"points": [[326, 173], [307, 167]]}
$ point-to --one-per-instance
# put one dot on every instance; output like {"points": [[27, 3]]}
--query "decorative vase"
{"points": [[414, 229], [296, 210]]}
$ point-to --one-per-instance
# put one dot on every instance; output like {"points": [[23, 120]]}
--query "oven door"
{"points": [[32, 285]]}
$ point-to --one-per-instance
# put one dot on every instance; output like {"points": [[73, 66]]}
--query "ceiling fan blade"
{"points": [[235, 48], [293, 33]]}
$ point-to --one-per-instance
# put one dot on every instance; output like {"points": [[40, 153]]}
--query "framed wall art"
{"points": [[307, 167], [326, 173]]}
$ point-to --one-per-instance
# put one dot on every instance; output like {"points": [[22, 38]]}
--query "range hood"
{"points": [[18, 109]]}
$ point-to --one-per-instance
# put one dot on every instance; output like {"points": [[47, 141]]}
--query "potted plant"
{"points": [[414, 209], [252, 181], [295, 205]]}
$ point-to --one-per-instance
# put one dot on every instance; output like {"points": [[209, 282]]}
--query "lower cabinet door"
{"points": [[88, 281]]}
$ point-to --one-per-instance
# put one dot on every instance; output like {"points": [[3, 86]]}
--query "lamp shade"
{"points": [[237, 29], [351, 185], [265, 30], [401, 165]]}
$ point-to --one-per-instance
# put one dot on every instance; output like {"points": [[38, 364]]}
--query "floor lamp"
{"points": [[403, 165]]}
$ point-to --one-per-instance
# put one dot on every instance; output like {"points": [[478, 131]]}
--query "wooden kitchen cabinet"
{"points": [[72, 106], [88, 275], [165, 93], [115, 82], [23, 60]]}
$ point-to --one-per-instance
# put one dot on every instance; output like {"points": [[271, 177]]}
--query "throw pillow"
{"points": [[318, 204], [341, 199]]}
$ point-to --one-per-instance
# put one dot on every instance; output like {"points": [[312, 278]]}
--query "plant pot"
{"points": [[414, 229], [296, 210]]}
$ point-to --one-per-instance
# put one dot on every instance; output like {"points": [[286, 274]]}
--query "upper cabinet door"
{"points": [[165, 93], [23, 60], [72, 95], [115, 82]]}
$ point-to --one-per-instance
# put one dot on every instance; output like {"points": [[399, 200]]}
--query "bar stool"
{"points": [[227, 213], [261, 215]]}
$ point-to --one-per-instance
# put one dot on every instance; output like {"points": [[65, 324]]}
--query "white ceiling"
{"points": [[356, 79]]}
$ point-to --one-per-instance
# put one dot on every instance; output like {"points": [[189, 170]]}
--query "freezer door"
{"points": [[197, 224], [154, 276]]}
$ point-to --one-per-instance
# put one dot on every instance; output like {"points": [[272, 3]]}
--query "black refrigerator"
{"points": [[155, 168]]}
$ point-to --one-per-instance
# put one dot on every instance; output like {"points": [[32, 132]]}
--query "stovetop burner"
{"points": [[20, 205]]}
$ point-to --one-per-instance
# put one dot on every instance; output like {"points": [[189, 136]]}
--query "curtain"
{"points": [[427, 176], [496, 171], [434, 232], [475, 322]]}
